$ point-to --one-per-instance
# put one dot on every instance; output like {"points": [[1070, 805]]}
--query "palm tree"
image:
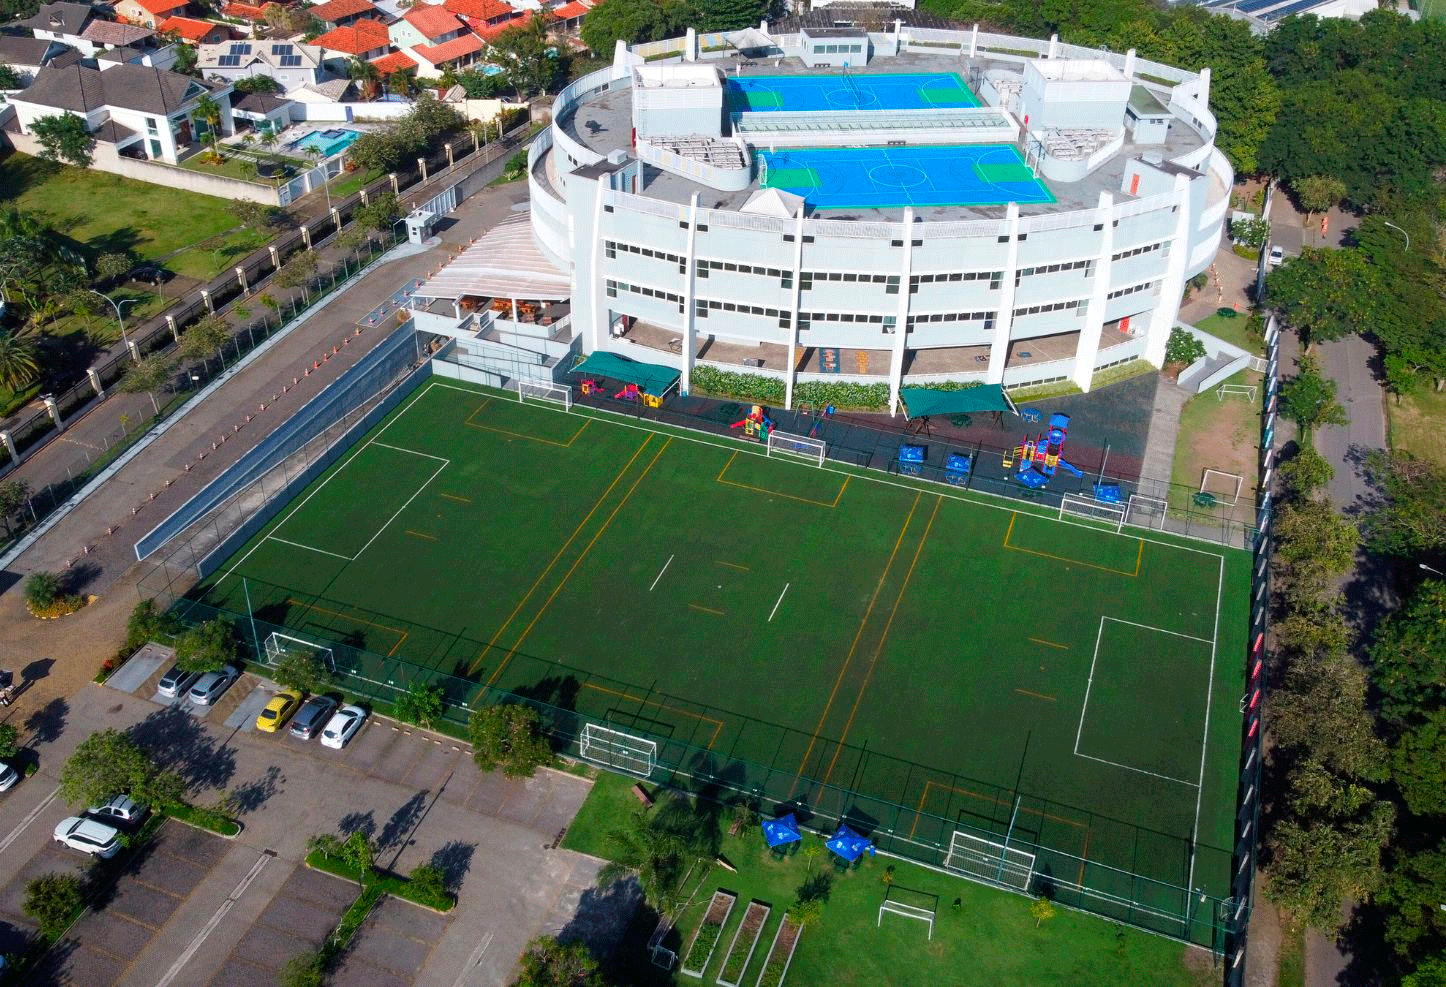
{"points": [[207, 110], [19, 361], [368, 75], [655, 854]]}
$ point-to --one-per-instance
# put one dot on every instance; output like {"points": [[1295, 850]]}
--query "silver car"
{"points": [[312, 716], [343, 726], [122, 810], [174, 683], [208, 687]]}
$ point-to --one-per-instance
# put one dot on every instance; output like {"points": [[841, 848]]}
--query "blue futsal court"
{"points": [[848, 91], [880, 177]]}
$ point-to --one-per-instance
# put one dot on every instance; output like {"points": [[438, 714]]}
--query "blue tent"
{"points": [[782, 830], [849, 845]]}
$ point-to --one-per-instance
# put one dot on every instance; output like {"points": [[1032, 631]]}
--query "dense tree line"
{"points": [[652, 20]]}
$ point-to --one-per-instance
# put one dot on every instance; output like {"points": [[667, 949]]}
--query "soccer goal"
{"points": [[552, 393], [918, 905], [972, 856], [278, 646], [1106, 515], [801, 446], [1146, 512], [619, 751]]}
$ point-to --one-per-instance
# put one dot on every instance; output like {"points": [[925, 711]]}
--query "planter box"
{"points": [[745, 941], [780, 954], [710, 930]]}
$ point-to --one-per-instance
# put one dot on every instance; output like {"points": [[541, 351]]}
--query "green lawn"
{"points": [[929, 658], [105, 213], [1233, 330], [1416, 424], [991, 934]]}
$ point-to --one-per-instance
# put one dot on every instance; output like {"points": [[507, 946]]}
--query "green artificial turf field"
{"points": [[917, 657]]}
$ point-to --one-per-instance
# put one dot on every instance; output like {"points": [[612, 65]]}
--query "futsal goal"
{"points": [[531, 390], [981, 859], [619, 751], [800, 446], [1105, 515], [1146, 512], [919, 905], [278, 646]]}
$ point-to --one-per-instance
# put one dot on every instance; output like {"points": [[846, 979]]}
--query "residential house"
{"points": [[27, 56], [149, 13], [424, 24], [568, 17], [114, 34], [290, 63], [340, 13], [155, 58], [265, 112], [197, 32], [63, 22], [362, 40], [456, 54], [397, 61], [246, 13], [483, 16], [140, 112]]}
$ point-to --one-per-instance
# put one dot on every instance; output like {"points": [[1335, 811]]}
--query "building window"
{"points": [[151, 125]]}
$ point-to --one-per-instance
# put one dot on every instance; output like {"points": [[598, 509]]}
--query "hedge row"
{"points": [[770, 390]]}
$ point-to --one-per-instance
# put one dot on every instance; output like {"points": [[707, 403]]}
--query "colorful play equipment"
{"points": [[756, 424], [1041, 457]]}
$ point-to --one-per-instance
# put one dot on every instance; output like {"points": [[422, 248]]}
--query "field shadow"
{"points": [[252, 795]]}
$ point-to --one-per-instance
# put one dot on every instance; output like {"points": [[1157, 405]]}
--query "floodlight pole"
{"points": [[1434, 572], [255, 641], [1400, 231]]}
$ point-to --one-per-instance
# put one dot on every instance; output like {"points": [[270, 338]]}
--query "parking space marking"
{"points": [[474, 961], [215, 920], [15, 833]]}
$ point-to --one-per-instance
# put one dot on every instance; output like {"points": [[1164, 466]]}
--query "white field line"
{"points": [[779, 603], [660, 573]]}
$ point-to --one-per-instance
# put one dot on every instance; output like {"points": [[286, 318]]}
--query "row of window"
{"points": [[838, 49], [1055, 307], [613, 287], [1143, 286], [1076, 265], [702, 305], [1149, 248], [785, 278], [987, 318], [993, 277], [611, 248]]}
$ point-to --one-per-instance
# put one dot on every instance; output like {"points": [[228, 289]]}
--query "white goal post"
{"points": [[1110, 515], [552, 393], [890, 904], [619, 751], [278, 646], [801, 446], [972, 856], [1142, 511]]}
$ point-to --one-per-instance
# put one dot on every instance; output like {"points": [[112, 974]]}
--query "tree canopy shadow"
{"points": [[178, 741], [358, 822], [454, 860], [252, 795], [46, 723], [394, 833], [601, 918]]}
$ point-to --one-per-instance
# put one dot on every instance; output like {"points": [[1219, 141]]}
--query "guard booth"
{"points": [[419, 226]]}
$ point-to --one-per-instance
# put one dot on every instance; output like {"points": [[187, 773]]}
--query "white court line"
{"points": [[1089, 684], [1138, 771], [412, 452], [660, 573], [311, 548], [15, 833], [413, 497], [1205, 739], [215, 920], [1161, 630], [780, 601]]}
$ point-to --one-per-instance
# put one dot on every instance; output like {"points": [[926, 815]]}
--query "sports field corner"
{"points": [[968, 678]]}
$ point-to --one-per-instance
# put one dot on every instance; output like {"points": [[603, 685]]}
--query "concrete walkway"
{"points": [[1159, 461]]}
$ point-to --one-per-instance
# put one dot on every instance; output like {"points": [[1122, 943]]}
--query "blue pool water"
{"points": [[328, 142]]}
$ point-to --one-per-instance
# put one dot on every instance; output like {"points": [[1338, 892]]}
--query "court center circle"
{"points": [[898, 176], [851, 99]]}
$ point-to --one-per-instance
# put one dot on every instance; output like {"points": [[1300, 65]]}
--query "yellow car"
{"points": [[277, 712]]}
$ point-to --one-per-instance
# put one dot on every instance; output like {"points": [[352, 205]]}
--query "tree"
{"points": [[1318, 193], [1325, 294], [9, 78], [1305, 473], [1042, 909], [148, 376], [530, 60], [64, 138], [14, 496], [19, 361], [1183, 347], [298, 271], [254, 215], [1309, 399], [379, 215], [186, 54], [1315, 547], [1317, 864], [303, 970], [110, 763], [1321, 715], [508, 736], [367, 76], [1408, 656], [421, 704], [1410, 518], [42, 589], [356, 851], [147, 623], [654, 852], [1253, 232], [9, 741], [634, 21], [258, 84], [205, 338], [548, 963], [208, 111], [1418, 763], [54, 901], [1411, 897], [303, 672], [208, 646], [112, 266]]}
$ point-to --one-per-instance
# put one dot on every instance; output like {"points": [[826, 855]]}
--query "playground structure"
{"points": [[756, 424], [1042, 456]]}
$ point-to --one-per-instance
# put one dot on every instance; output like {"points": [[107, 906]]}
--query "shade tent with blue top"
{"points": [[849, 845], [781, 831]]}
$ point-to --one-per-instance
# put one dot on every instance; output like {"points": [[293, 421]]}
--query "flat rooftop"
{"points": [[603, 123]]}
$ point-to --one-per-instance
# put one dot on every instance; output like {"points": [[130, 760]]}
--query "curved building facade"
{"points": [[662, 189]]}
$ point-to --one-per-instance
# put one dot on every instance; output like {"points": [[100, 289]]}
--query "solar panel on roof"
{"points": [[229, 61], [240, 48], [1299, 7], [290, 61]]}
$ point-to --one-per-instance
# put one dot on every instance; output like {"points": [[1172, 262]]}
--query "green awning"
{"points": [[651, 378], [921, 401]]}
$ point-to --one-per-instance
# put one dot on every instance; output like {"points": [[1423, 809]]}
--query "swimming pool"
{"points": [[881, 177], [848, 91], [328, 142]]}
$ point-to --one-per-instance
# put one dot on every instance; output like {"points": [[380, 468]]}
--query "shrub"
{"points": [[508, 736], [206, 647], [303, 970], [42, 589], [428, 882], [146, 624], [744, 387], [53, 900], [1183, 347], [9, 741], [421, 704]]}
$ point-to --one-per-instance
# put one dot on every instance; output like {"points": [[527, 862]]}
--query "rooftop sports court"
{"points": [[848, 91], [942, 175], [923, 657]]}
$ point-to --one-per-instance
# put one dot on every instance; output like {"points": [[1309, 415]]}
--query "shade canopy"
{"points": [[651, 378], [849, 845], [921, 401], [504, 263], [782, 830]]}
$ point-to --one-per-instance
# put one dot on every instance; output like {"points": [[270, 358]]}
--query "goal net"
{"points": [[619, 751], [1097, 511], [923, 910], [801, 446], [972, 856], [1146, 512], [278, 646], [529, 390]]}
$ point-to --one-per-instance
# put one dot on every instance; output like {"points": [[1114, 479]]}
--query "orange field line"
{"points": [[419, 534], [347, 616], [1035, 695], [774, 493], [716, 613], [717, 723], [520, 435], [1049, 644], [1062, 558], [735, 565], [460, 500], [930, 783]]}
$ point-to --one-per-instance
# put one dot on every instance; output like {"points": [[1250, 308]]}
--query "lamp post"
{"points": [[1434, 572], [120, 317], [1400, 231]]}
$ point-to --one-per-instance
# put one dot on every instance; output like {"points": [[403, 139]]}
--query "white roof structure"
{"points": [[503, 263], [773, 202], [749, 37]]}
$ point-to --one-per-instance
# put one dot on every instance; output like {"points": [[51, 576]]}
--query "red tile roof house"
{"points": [[363, 40], [197, 32], [149, 13], [458, 53], [568, 18], [397, 61], [426, 25], [340, 13], [247, 13]]}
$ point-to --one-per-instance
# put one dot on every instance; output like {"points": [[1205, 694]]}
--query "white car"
{"points": [[344, 723], [8, 777], [89, 836], [1276, 257], [121, 810]]}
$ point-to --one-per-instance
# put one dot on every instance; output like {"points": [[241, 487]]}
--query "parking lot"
{"points": [[199, 909]]}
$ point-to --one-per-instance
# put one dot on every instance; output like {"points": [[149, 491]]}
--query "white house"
{"points": [[290, 63], [143, 112], [27, 56]]}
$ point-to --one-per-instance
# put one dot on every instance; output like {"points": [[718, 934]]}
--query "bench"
{"points": [[641, 794]]}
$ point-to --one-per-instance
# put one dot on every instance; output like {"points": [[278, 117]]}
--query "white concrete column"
{"points": [[594, 328], [620, 53], [1129, 69], [974, 41], [422, 167], [901, 314], [796, 295], [9, 441], [449, 156], [1004, 320], [1172, 286], [690, 45], [1094, 321], [52, 406], [690, 284], [241, 281], [175, 329], [306, 236], [1202, 92], [94, 376], [396, 186], [1053, 46], [210, 305], [275, 257]]}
